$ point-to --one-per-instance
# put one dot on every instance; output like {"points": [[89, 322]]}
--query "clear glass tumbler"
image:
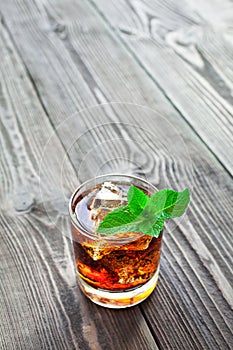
{"points": [[119, 270]]}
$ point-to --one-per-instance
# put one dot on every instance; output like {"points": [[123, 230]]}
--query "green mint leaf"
{"points": [[156, 227], [119, 220], [152, 229], [167, 203], [155, 205], [136, 200], [176, 203], [145, 214]]}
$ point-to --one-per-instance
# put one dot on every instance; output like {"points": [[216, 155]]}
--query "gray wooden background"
{"points": [[59, 58]]}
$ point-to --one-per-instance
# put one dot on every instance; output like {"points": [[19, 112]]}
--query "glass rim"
{"points": [[92, 234]]}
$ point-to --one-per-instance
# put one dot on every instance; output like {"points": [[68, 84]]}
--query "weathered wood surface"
{"points": [[58, 58], [191, 44], [41, 307]]}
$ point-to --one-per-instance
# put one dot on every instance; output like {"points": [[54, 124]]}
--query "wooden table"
{"points": [[60, 57]]}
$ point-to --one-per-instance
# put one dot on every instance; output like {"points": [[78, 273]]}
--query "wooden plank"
{"points": [[32, 314], [41, 306], [187, 56], [107, 61]]}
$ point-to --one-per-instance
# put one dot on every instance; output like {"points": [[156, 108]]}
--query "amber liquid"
{"points": [[123, 268], [114, 267]]}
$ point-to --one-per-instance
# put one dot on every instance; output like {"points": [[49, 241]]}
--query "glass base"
{"points": [[119, 300]]}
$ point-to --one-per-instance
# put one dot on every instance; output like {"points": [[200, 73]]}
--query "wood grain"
{"points": [[187, 55], [72, 60], [41, 306]]}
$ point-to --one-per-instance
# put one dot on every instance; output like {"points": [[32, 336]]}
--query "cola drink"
{"points": [[119, 270]]}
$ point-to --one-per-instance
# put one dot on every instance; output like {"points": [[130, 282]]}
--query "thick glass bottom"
{"points": [[119, 300]]}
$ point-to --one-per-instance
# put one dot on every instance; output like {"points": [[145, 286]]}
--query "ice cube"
{"points": [[109, 196], [106, 199], [141, 243], [99, 250]]}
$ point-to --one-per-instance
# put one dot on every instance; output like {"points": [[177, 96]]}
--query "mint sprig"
{"points": [[145, 214]]}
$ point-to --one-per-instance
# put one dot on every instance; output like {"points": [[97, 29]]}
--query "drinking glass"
{"points": [[118, 270]]}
